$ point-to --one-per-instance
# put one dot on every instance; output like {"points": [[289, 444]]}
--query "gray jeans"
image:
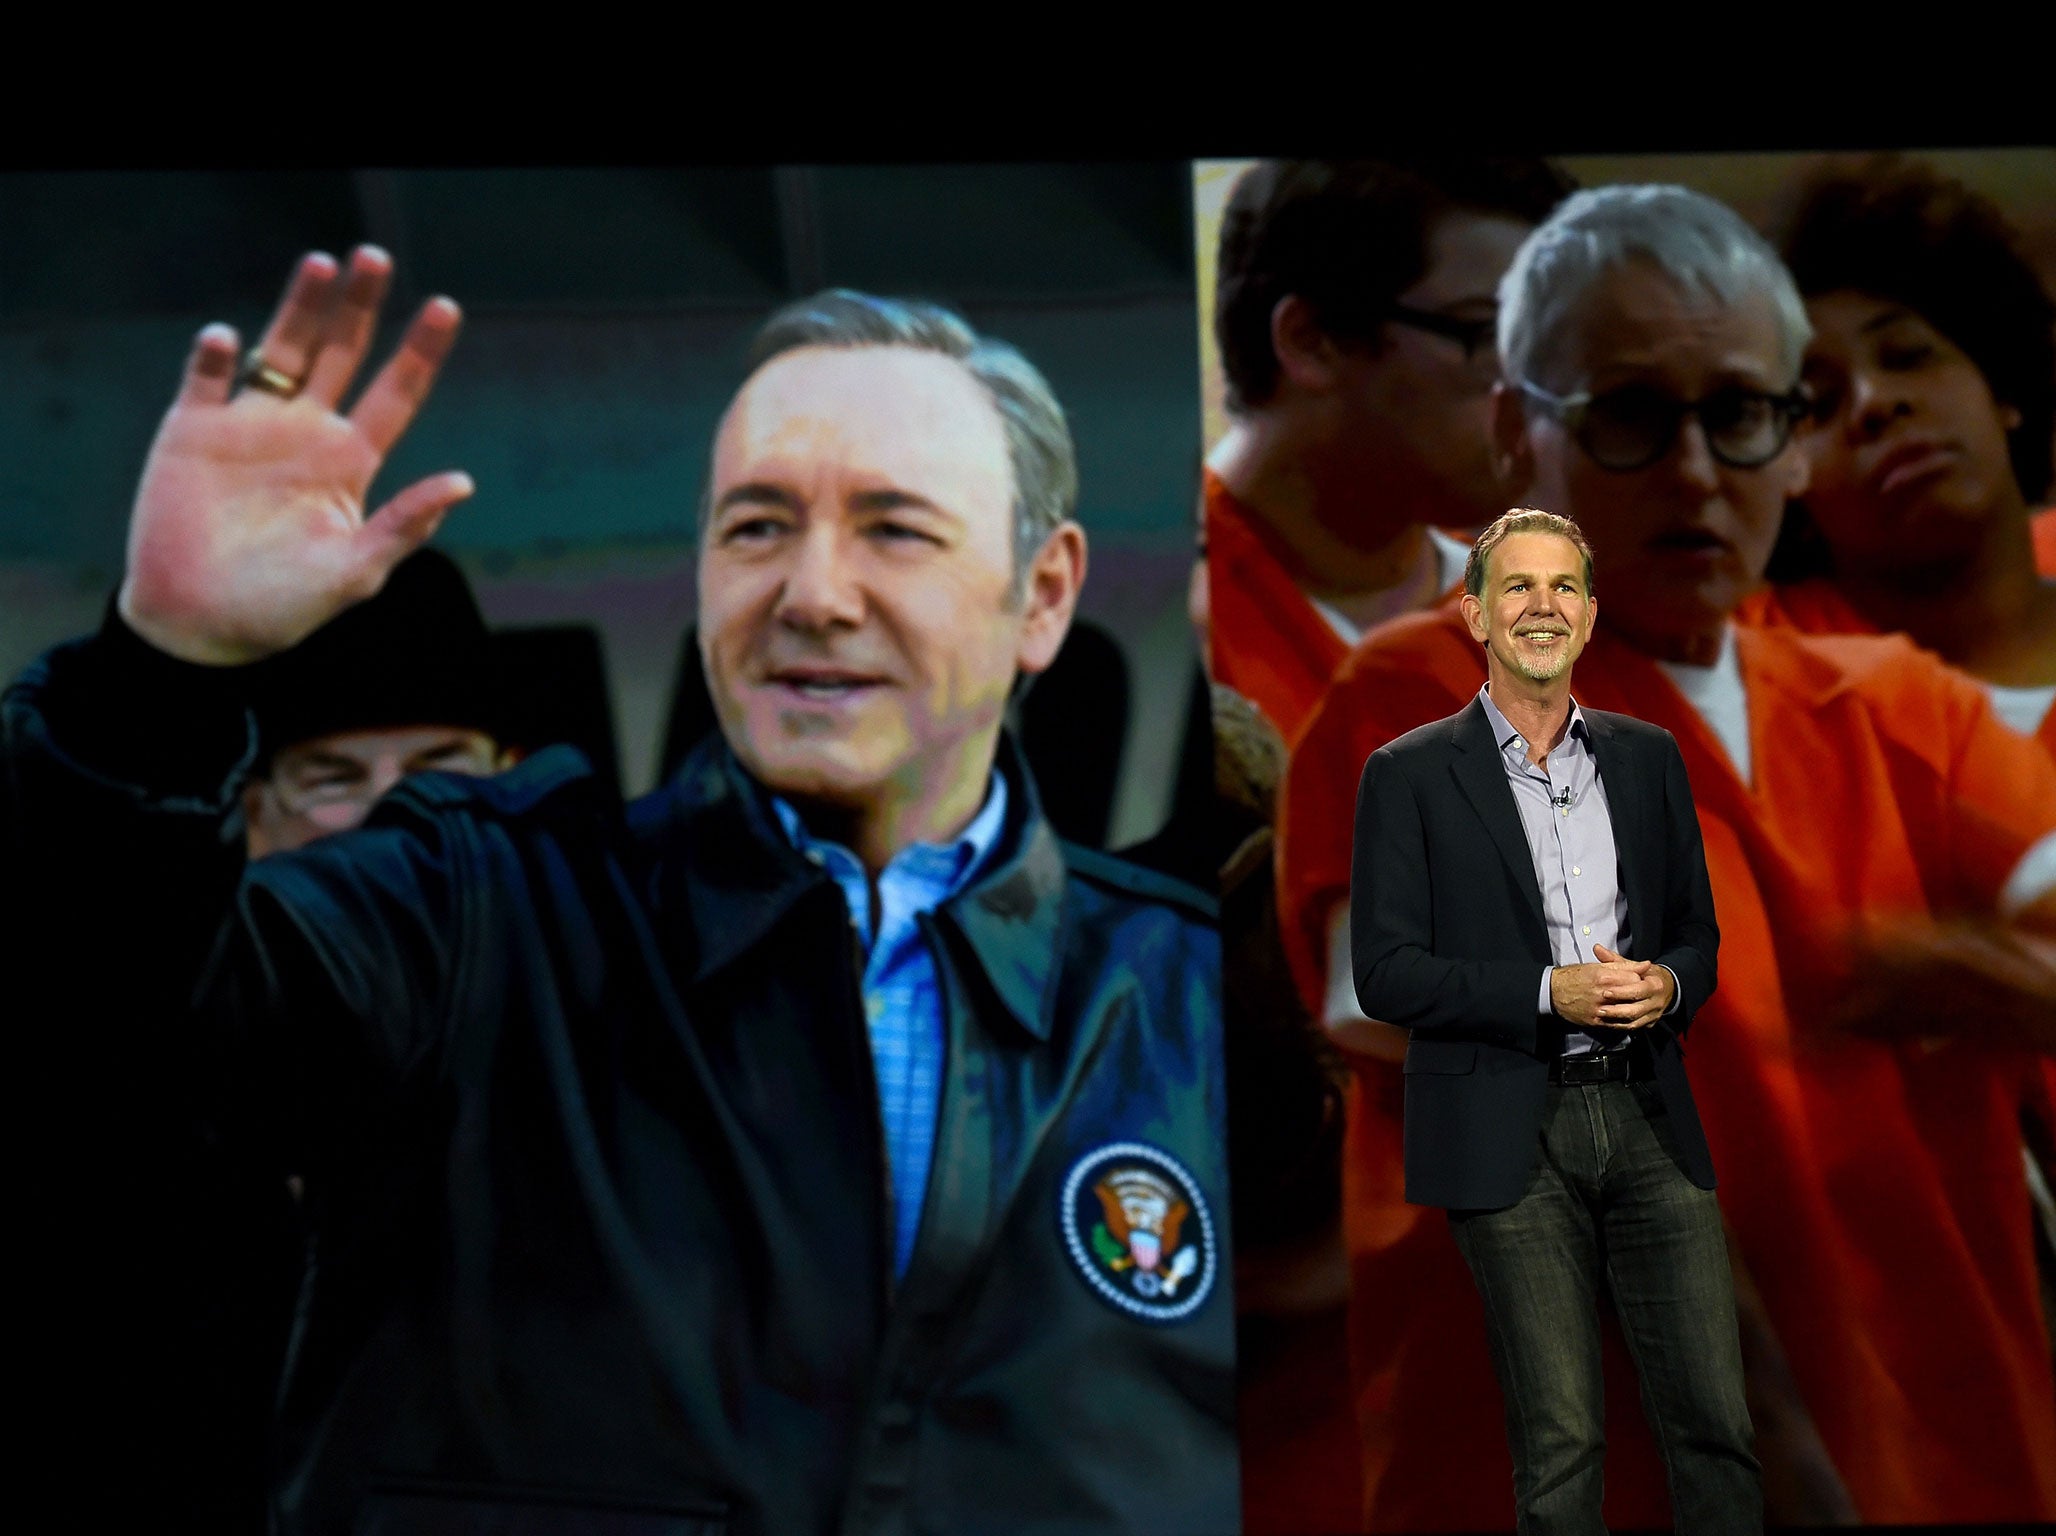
{"points": [[1610, 1206]]}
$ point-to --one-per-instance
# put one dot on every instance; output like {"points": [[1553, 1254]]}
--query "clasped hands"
{"points": [[1614, 993]]}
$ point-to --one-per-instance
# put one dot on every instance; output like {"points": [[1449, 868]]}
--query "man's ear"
{"points": [[1305, 352], [1473, 613], [1049, 597], [1513, 460]]}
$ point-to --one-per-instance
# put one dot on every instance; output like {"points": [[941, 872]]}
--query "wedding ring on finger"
{"points": [[256, 373]]}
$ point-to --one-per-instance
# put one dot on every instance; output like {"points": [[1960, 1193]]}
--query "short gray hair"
{"points": [[1522, 520], [1039, 449], [1700, 244]]}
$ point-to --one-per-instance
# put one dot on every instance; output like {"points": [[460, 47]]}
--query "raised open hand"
{"points": [[249, 530]]}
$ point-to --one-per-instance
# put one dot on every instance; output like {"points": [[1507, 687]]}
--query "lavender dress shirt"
{"points": [[1569, 826]]}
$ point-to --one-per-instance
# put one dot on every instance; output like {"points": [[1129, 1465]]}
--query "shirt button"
{"points": [[1575, 870], [1588, 930]]}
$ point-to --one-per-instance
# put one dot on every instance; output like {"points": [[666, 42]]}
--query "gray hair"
{"points": [[1700, 244], [1522, 520], [1039, 450]]}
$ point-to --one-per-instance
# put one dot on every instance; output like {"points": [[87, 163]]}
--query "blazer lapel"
{"points": [[1481, 774], [1626, 809]]}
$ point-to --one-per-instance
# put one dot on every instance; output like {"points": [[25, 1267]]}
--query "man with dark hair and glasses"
{"points": [[1849, 790], [1355, 310]]}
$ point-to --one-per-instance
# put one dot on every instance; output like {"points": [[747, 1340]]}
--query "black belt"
{"points": [[1631, 1065]]}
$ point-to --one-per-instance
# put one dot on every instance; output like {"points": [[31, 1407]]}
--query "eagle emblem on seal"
{"points": [[1138, 1229]]}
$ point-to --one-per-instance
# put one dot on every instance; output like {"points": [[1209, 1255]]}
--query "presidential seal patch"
{"points": [[1139, 1230]]}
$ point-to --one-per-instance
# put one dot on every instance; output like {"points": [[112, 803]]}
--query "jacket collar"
{"points": [[720, 855], [1012, 919]]}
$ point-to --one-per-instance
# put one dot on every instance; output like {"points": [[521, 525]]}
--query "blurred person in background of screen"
{"points": [[402, 683], [1354, 311], [1932, 380], [1354, 308]]}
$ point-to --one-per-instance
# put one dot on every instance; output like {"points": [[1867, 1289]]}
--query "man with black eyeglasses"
{"points": [[1848, 791], [1355, 306]]}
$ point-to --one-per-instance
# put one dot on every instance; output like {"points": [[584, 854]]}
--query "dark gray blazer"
{"points": [[1447, 940]]}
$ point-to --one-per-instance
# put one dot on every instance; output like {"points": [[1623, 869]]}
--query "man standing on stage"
{"points": [[1508, 861]]}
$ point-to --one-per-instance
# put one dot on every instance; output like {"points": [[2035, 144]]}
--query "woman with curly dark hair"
{"points": [[1932, 371], [1933, 375]]}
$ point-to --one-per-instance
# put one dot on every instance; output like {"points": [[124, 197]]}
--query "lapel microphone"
{"points": [[1563, 798]]}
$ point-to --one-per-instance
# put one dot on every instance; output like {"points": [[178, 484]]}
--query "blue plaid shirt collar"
{"points": [[902, 994], [919, 878]]}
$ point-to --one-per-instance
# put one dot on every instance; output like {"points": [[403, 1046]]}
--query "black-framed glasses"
{"points": [[1474, 336], [1632, 427]]}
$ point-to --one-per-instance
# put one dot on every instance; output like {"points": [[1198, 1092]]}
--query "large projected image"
{"points": [[597, 803], [1801, 408]]}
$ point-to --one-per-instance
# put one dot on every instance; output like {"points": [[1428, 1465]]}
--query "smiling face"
{"points": [[1535, 614], [1907, 444], [1680, 541], [858, 616]]}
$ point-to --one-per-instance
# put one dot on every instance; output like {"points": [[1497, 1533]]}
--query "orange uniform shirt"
{"points": [[1875, 1191], [1270, 644], [1817, 607]]}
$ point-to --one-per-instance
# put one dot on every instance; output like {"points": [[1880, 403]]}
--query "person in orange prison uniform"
{"points": [[1873, 1187], [1932, 372], [1932, 380], [1354, 311]]}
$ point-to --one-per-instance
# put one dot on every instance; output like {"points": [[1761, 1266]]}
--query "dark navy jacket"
{"points": [[1447, 939], [594, 1164]]}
